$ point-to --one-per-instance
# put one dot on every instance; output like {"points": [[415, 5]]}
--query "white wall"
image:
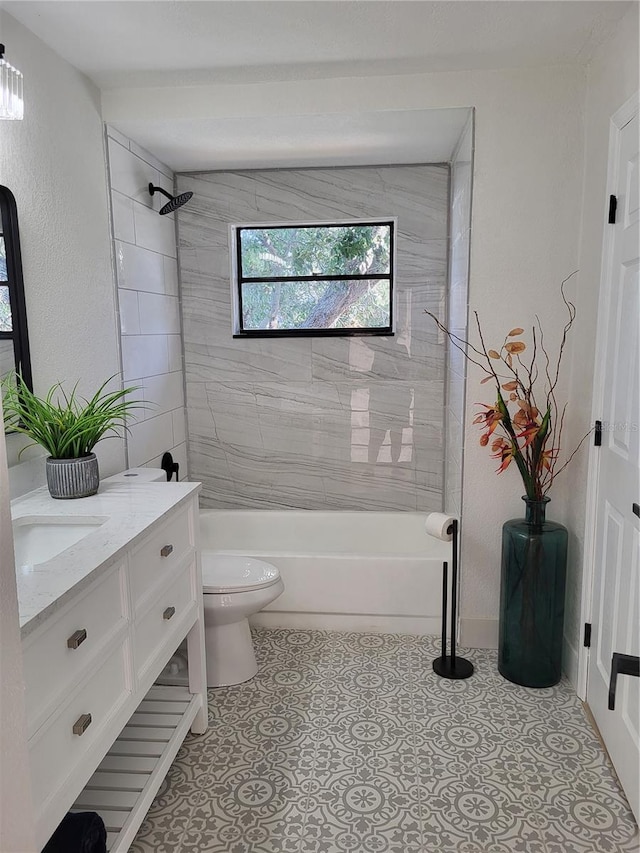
{"points": [[457, 308], [16, 813], [53, 161], [149, 310], [612, 78]]}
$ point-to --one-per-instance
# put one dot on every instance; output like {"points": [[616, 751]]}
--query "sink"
{"points": [[37, 539]]}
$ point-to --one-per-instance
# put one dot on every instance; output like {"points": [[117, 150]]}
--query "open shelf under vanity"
{"points": [[128, 778]]}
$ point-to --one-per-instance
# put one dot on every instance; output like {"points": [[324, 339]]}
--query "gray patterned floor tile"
{"points": [[481, 810], [350, 743], [362, 808]]}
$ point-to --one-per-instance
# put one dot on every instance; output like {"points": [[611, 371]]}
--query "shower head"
{"points": [[175, 201]]}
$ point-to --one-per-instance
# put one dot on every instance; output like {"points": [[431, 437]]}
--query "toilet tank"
{"points": [[138, 475]]}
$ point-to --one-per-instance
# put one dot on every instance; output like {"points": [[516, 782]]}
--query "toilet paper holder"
{"points": [[451, 666]]}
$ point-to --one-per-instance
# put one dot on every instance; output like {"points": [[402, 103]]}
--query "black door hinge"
{"points": [[597, 434], [613, 205], [587, 635]]}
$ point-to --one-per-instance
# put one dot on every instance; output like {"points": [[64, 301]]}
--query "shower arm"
{"points": [[153, 190]]}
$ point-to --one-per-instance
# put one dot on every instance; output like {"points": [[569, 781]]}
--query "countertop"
{"points": [[130, 508]]}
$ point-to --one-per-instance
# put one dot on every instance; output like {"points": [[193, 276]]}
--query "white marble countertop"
{"points": [[129, 509]]}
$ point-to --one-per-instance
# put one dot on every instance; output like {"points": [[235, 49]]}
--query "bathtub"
{"points": [[348, 571]]}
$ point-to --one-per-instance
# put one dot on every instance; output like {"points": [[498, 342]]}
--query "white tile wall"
{"points": [[139, 269], [179, 426], [164, 393], [144, 355], [174, 343], [153, 231], [130, 175], [122, 213], [159, 314], [149, 438], [145, 155], [129, 312], [148, 294], [170, 276]]}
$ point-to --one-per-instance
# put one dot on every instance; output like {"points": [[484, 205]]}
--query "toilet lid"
{"points": [[231, 573]]}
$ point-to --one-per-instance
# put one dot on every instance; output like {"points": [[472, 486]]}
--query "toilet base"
{"points": [[230, 655]]}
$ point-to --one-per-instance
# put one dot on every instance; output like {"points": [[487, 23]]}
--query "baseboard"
{"points": [[479, 633], [376, 624], [570, 661]]}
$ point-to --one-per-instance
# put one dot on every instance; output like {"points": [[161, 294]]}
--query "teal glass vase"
{"points": [[534, 567]]}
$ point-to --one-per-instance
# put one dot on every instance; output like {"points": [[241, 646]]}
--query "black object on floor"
{"points": [[79, 833], [451, 666]]}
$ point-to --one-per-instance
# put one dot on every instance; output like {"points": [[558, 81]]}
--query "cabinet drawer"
{"points": [[153, 561], [159, 626], [55, 658], [55, 752]]}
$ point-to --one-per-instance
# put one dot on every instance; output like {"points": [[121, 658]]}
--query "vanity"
{"points": [[108, 587]]}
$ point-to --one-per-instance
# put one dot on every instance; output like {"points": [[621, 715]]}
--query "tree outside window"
{"points": [[315, 279]]}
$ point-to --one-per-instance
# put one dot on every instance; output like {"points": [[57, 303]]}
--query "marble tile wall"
{"points": [[148, 300], [316, 423], [457, 307]]}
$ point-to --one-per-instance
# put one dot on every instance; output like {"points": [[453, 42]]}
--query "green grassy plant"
{"points": [[66, 425]]}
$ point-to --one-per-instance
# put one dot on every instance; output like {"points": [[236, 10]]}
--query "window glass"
{"points": [[314, 279]]}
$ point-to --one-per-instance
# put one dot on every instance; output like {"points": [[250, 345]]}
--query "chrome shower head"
{"points": [[175, 201]]}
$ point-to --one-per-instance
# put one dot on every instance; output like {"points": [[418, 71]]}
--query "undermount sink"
{"points": [[37, 539]]}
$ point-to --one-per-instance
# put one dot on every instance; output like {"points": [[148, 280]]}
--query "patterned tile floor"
{"points": [[349, 743]]}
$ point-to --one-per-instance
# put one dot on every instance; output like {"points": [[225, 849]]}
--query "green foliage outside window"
{"points": [[362, 254]]}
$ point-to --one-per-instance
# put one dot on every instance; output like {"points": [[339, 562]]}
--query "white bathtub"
{"points": [[360, 571]]}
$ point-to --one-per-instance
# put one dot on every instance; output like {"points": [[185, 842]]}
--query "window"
{"points": [[323, 279]]}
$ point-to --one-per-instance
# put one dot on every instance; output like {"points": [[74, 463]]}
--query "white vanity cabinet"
{"points": [[101, 735]]}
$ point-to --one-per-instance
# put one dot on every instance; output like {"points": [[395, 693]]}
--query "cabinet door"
{"points": [[154, 561], [67, 748], [59, 656], [158, 632]]}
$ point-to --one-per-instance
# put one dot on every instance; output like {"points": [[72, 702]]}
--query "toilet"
{"points": [[235, 587]]}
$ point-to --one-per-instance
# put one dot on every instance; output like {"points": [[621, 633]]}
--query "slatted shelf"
{"points": [[124, 785]]}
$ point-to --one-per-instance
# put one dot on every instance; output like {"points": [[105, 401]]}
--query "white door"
{"points": [[615, 613]]}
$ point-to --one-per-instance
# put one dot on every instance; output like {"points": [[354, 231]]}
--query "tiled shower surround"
{"points": [[316, 423], [149, 311]]}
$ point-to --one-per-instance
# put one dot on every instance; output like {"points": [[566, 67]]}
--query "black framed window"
{"points": [[319, 279]]}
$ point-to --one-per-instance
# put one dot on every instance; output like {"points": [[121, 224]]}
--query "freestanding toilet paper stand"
{"points": [[451, 666]]}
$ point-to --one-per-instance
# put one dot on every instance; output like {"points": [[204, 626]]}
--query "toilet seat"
{"points": [[227, 573]]}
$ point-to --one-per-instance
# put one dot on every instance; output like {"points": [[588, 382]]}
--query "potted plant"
{"points": [[524, 426], [68, 427]]}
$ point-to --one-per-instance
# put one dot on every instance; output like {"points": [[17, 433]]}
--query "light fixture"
{"points": [[11, 102]]}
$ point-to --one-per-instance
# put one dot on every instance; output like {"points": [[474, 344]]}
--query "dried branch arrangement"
{"points": [[526, 414]]}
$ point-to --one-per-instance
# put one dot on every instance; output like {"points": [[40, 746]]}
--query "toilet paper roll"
{"points": [[440, 525]]}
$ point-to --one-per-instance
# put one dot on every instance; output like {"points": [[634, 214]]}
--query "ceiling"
{"points": [[122, 43], [295, 141], [160, 46]]}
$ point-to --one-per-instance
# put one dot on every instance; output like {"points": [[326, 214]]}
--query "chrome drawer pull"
{"points": [[77, 638], [166, 550], [82, 724], [168, 613]]}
